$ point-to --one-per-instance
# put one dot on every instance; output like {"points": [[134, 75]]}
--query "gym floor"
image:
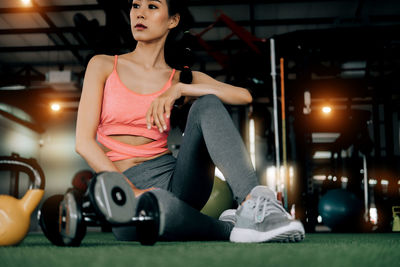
{"points": [[101, 249]]}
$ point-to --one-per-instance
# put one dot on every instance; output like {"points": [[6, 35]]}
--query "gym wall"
{"points": [[54, 150], [57, 154], [16, 138]]}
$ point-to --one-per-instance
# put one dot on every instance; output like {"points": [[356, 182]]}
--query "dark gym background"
{"points": [[345, 53]]}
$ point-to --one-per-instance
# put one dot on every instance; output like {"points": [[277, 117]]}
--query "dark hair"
{"points": [[177, 51], [178, 55]]}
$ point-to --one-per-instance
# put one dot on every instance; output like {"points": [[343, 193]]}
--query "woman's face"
{"points": [[150, 20]]}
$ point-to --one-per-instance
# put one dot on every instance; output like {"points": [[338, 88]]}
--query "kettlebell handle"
{"points": [[29, 166]]}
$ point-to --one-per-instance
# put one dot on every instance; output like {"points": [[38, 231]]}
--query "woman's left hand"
{"points": [[162, 105]]}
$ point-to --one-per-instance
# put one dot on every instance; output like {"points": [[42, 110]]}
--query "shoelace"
{"points": [[265, 207]]}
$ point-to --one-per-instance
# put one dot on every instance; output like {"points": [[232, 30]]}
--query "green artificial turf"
{"points": [[101, 249]]}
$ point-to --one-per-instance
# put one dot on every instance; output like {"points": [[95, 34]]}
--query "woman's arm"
{"points": [[89, 111], [202, 85], [89, 115]]}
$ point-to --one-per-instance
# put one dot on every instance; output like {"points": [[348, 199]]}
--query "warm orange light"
{"points": [[326, 110], [26, 2], [55, 107]]}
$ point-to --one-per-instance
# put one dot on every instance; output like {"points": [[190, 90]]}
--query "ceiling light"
{"points": [[26, 2], [55, 107], [326, 109]]}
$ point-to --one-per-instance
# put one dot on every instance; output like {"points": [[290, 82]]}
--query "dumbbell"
{"points": [[81, 180], [64, 218], [113, 199]]}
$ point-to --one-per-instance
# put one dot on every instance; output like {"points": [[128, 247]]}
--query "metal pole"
{"points": [[284, 154], [366, 211], [276, 130]]}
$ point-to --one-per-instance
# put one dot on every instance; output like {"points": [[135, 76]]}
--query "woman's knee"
{"points": [[208, 100], [207, 104]]}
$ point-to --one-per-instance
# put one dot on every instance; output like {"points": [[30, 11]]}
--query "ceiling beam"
{"points": [[245, 23], [91, 7], [38, 30], [33, 126], [47, 9], [60, 35], [244, 2], [14, 49], [72, 30]]}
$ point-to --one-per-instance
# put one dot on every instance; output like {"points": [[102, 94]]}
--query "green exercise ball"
{"points": [[220, 199]]}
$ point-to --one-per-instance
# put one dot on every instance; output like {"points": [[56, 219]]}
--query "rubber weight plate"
{"points": [[49, 219], [147, 230], [72, 225], [113, 197]]}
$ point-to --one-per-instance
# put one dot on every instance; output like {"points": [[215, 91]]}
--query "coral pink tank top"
{"points": [[124, 113]]}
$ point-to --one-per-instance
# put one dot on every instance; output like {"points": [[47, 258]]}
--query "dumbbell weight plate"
{"points": [[48, 219], [112, 197], [72, 227], [147, 229]]}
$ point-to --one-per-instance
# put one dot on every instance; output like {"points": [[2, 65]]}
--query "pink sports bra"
{"points": [[124, 113]]}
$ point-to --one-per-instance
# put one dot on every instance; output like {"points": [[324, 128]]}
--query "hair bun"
{"points": [[186, 75]]}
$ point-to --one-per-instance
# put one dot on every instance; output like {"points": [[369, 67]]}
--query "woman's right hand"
{"points": [[161, 107]]}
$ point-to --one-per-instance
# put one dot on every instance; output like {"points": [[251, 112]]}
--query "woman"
{"points": [[123, 106]]}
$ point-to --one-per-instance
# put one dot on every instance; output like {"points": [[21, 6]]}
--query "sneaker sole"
{"points": [[293, 232]]}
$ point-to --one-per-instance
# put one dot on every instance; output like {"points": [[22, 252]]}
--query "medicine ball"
{"points": [[340, 210]]}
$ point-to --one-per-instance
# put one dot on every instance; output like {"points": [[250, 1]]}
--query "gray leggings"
{"points": [[210, 139]]}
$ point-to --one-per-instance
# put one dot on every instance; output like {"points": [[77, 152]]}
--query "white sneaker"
{"points": [[228, 216], [263, 219]]}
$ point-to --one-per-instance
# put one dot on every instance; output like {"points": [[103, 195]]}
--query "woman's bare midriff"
{"points": [[125, 164]]}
